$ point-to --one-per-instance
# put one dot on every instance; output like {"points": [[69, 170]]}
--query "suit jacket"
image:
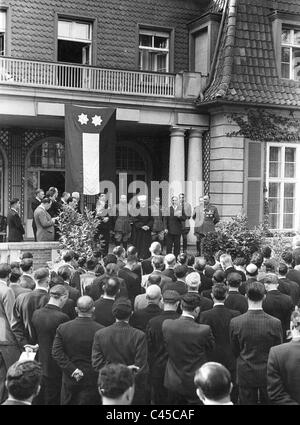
{"points": [[218, 318], [288, 287], [281, 306], [236, 301], [140, 318], [252, 335], [163, 278], [17, 289], [283, 373], [178, 286], [9, 347], [120, 343], [294, 275], [45, 322], [189, 346], [25, 305], [96, 288], [174, 224], [72, 347], [157, 353], [15, 227], [206, 282], [132, 281], [103, 311], [170, 273], [44, 225], [147, 265]]}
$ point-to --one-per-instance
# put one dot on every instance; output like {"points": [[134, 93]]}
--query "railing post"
{"points": [[178, 85]]}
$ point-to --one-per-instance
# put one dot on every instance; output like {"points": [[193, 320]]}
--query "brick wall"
{"points": [[33, 27]]}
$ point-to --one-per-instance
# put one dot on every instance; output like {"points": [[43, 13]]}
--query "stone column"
{"points": [[176, 162], [194, 184]]}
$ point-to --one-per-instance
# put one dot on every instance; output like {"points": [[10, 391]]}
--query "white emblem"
{"points": [[96, 120], [83, 119]]}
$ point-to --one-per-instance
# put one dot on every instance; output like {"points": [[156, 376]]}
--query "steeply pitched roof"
{"points": [[246, 70]]}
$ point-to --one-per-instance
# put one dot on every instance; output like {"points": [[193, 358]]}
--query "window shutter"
{"points": [[254, 182]]}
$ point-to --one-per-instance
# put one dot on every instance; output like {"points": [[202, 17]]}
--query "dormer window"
{"points": [[290, 53]]}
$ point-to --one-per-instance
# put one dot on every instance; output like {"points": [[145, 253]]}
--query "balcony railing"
{"points": [[78, 77]]}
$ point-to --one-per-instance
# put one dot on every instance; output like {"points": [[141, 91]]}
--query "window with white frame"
{"points": [[74, 41], [283, 185], [2, 31], [154, 51], [290, 53]]}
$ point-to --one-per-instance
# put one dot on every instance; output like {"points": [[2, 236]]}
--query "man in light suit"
{"points": [[44, 222], [184, 357], [39, 194], [283, 369], [15, 227]]}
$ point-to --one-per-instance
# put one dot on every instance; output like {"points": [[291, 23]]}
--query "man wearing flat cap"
{"points": [[189, 346], [15, 226], [157, 354], [121, 343]]}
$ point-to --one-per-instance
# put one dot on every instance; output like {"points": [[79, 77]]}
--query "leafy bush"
{"points": [[77, 231], [235, 238]]}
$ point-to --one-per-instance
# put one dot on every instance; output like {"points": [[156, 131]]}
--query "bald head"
{"points": [[213, 382], [193, 281], [155, 248], [251, 270], [85, 306], [170, 260], [153, 294]]}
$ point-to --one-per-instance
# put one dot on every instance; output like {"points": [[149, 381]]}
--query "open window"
{"points": [[74, 44], [154, 50]]}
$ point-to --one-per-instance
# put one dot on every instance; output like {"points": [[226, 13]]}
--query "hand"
{"points": [[134, 368], [105, 220], [166, 231]]}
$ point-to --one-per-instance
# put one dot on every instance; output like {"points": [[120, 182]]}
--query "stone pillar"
{"points": [[176, 162], [194, 184]]}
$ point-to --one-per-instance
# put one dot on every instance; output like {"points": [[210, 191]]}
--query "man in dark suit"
{"points": [[72, 350], [155, 250], [294, 275], [15, 226], [158, 268], [121, 343], [140, 318], [26, 304], [23, 381], [193, 283], [39, 195], [54, 210], [66, 273], [277, 304], [252, 335], [218, 318], [180, 272], [283, 369], [45, 322], [287, 286], [235, 300], [184, 357], [103, 306], [200, 267], [170, 262], [132, 281], [174, 223], [157, 354]]}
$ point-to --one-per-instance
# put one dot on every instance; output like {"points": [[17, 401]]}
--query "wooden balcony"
{"points": [[53, 75]]}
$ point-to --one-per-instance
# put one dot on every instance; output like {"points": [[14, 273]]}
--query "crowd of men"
{"points": [[126, 223], [164, 330]]}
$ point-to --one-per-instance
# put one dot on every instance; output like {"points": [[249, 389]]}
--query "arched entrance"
{"points": [[45, 165]]}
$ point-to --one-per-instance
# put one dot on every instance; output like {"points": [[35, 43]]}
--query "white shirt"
{"points": [[184, 314]]}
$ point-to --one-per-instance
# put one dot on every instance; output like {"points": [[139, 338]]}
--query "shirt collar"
{"points": [[41, 288], [19, 401], [212, 402], [184, 314], [218, 304], [14, 210]]}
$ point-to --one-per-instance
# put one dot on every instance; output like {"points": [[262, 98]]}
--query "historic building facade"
{"points": [[174, 70]]}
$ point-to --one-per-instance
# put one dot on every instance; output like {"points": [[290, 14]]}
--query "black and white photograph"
{"points": [[149, 205]]}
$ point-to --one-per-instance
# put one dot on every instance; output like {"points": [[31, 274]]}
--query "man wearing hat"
{"points": [[188, 345], [143, 222], [158, 355], [45, 321], [15, 227], [121, 343]]}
